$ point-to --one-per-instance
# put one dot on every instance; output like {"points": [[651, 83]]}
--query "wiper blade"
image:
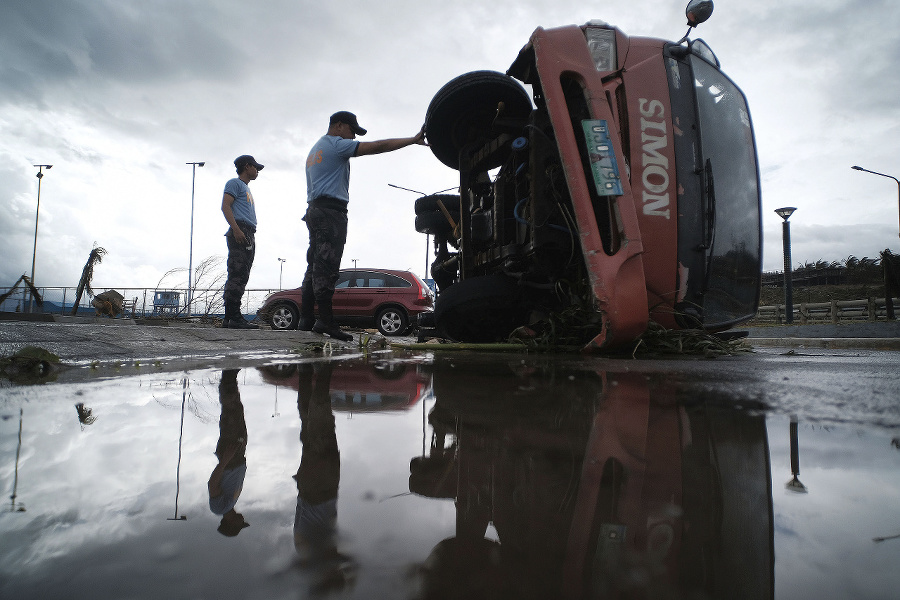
{"points": [[709, 208]]}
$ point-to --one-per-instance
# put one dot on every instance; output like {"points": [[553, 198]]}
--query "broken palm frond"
{"points": [[34, 293], [85, 414], [696, 342], [84, 284], [573, 327]]}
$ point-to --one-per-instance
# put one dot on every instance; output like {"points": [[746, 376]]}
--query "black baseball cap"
{"points": [[246, 159], [350, 119]]}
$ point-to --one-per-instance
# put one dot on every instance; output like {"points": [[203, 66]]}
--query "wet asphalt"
{"points": [[90, 340]]}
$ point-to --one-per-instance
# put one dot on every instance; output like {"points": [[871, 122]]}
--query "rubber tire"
{"points": [[480, 309], [284, 316], [434, 223], [429, 204], [392, 321], [463, 112]]}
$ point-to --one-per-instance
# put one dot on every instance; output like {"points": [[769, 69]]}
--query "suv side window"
{"points": [[343, 280], [396, 282]]}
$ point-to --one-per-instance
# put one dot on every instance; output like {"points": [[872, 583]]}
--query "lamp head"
{"points": [[200, 164], [856, 168], [785, 212]]}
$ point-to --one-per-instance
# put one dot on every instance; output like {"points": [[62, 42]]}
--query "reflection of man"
{"points": [[318, 478], [227, 479]]}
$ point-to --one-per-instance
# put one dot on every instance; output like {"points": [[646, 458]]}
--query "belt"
{"points": [[329, 202], [245, 226]]}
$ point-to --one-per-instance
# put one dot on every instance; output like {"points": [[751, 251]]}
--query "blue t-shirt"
{"points": [[328, 168], [242, 207], [232, 484]]}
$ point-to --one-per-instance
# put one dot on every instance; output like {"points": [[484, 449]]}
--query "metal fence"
{"points": [[836, 311], [139, 302]]}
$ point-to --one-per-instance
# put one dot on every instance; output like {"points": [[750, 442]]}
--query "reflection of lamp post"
{"points": [[37, 212], [184, 387], [794, 484], [194, 166], [856, 168], [785, 214], [13, 496], [280, 270]]}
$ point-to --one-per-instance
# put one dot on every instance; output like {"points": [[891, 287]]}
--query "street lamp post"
{"points": [[856, 168], [194, 166], [280, 270], [785, 214], [37, 212]]}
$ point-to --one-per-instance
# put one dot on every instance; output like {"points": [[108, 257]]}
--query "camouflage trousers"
{"points": [[327, 236], [240, 260], [232, 426]]}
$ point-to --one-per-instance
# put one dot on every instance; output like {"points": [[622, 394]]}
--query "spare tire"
{"points": [[433, 223], [464, 110], [428, 204]]}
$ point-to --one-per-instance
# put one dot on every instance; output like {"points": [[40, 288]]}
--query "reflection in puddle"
{"points": [[450, 477]]}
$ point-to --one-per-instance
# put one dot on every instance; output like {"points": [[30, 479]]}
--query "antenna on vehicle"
{"points": [[427, 236], [697, 11]]}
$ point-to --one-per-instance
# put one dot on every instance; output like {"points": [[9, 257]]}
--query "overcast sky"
{"points": [[118, 95]]}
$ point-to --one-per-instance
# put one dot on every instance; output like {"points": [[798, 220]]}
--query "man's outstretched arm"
{"points": [[389, 145]]}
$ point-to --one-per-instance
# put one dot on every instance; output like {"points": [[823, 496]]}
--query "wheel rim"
{"points": [[282, 318], [391, 321]]}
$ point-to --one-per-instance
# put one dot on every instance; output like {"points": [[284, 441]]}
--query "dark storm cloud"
{"points": [[841, 49], [46, 45]]}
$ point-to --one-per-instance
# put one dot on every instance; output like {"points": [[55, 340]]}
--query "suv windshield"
{"points": [[732, 196]]}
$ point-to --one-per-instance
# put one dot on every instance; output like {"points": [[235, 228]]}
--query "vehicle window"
{"points": [[396, 282], [376, 282], [343, 280], [727, 141]]}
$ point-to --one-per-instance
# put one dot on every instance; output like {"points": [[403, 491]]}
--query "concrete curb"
{"points": [[828, 343]]}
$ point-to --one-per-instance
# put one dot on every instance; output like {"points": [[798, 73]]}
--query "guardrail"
{"points": [[204, 302], [836, 311]]}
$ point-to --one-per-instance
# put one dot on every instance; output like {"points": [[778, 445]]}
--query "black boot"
{"points": [[235, 320], [307, 312], [325, 324]]}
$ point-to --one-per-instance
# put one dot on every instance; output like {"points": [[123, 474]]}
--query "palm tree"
{"points": [[96, 256]]}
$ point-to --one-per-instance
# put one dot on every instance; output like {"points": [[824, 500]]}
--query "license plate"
{"points": [[602, 157]]}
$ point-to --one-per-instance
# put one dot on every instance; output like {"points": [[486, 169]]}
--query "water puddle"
{"points": [[447, 476]]}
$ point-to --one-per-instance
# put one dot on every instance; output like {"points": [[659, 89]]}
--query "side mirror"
{"points": [[698, 11]]}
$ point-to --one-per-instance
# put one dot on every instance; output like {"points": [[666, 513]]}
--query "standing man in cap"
{"points": [[328, 193], [240, 212]]}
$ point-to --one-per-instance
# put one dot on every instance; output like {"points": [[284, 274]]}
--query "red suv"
{"points": [[389, 300]]}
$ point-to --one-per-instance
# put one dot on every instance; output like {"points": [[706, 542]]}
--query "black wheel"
{"points": [[429, 204], [434, 223], [284, 316], [464, 110], [480, 309], [392, 321]]}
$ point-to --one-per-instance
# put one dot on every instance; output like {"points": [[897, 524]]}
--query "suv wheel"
{"points": [[392, 321], [284, 316]]}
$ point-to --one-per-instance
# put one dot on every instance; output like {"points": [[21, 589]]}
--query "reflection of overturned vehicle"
{"points": [[628, 186], [359, 386], [625, 490]]}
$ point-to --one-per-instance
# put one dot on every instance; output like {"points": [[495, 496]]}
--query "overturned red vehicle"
{"points": [[626, 181]]}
